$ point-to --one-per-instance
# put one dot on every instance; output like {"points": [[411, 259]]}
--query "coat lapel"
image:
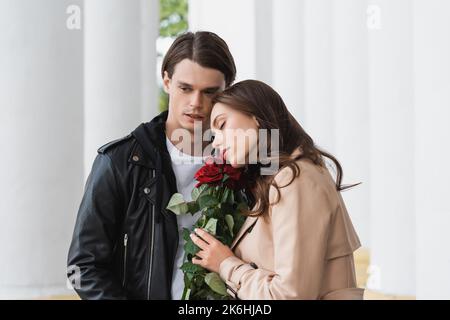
{"points": [[248, 225]]}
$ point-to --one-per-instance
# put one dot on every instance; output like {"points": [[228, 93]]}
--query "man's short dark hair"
{"points": [[202, 47]]}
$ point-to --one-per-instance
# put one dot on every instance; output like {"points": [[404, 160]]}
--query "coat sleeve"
{"points": [[91, 250], [301, 224]]}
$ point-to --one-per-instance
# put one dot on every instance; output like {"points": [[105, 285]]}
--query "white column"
{"points": [[351, 108], [432, 154], [392, 149], [318, 72], [245, 26], [41, 122], [120, 75], [288, 55]]}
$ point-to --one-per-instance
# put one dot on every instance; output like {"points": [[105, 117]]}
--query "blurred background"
{"points": [[368, 79]]}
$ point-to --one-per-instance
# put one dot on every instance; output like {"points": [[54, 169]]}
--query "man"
{"points": [[126, 245]]}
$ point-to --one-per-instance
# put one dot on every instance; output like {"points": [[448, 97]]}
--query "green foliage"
{"points": [[221, 216], [173, 17], [173, 21], [213, 280], [163, 101]]}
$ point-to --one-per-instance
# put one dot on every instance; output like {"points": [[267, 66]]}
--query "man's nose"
{"points": [[196, 99]]}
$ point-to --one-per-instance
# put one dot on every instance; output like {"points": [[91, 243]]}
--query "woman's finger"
{"points": [[198, 241], [205, 235], [201, 254], [197, 261]]}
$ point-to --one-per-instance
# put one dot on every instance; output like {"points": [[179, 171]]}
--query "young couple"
{"points": [[297, 243]]}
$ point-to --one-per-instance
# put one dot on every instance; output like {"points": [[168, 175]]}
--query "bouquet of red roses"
{"points": [[218, 195]]}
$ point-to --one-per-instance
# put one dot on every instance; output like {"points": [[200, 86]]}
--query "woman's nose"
{"points": [[215, 143]]}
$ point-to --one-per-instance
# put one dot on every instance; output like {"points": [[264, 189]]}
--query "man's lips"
{"points": [[195, 116]]}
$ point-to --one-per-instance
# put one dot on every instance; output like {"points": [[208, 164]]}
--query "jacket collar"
{"points": [[151, 138]]}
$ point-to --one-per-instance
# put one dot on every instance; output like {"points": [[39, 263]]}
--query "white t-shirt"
{"points": [[184, 167]]}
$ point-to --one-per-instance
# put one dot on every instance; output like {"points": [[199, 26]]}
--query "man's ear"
{"points": [[166, 82]]}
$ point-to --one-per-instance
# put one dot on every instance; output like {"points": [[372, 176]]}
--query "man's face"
{"points": [[190, 91]]}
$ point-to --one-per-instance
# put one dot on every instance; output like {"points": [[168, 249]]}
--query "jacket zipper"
{"points": [[151, 245], [125, 244]]}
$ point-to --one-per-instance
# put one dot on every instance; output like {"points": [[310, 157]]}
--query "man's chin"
{"points": [[202, 125]]}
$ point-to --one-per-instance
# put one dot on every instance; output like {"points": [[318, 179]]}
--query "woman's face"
{"points": [[235, 134]]}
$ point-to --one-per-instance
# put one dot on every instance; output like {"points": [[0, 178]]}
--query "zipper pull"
{"points": [[125, 240]]}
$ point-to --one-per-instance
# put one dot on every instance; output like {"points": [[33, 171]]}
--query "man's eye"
{"points": [[184, 89]]}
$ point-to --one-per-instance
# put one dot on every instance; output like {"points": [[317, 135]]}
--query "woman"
{"points": [[298, 241]]}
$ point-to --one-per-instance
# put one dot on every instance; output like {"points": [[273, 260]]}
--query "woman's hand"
{"points": [[212, 251]]}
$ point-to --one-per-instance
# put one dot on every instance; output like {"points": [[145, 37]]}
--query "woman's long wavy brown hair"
{"points": [[256, 98]]}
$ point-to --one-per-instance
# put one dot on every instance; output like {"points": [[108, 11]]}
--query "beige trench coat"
{"points": [[302, 248]]}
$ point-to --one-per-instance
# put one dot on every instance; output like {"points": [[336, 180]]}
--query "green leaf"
{"points": [[189, 267], [206, 201], [201, 222], [177, 204], [239, 220], [190, 247], [231, 197], [186, 234], [193, 207], [211, 226], [230, 223], [225, 195], [189, 276], [215, 283], [196, 192]]}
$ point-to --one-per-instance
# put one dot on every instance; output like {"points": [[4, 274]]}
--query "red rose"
{"points": [[213, 173], [210, 174]]}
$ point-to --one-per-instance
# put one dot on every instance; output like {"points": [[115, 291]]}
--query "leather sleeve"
{"points": [[94, 236]]}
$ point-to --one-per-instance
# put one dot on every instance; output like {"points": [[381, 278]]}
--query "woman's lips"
{"points": [[224, 154]]}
